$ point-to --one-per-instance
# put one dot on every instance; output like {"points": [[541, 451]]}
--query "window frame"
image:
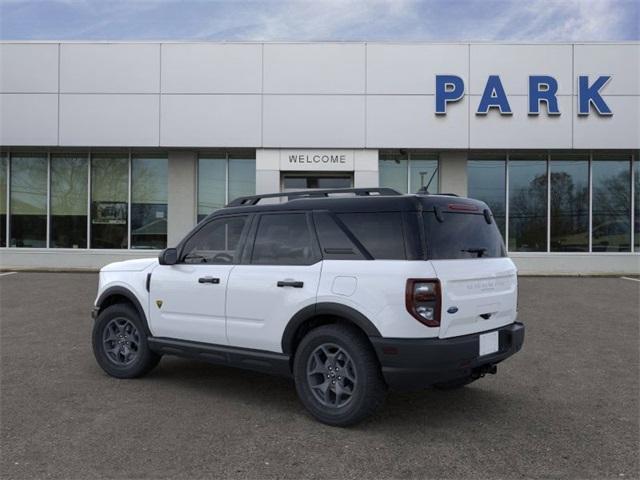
{"points": [[249, 247], [244, 235]]}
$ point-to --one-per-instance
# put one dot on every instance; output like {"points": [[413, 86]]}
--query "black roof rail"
{"points": [[361, 192]]}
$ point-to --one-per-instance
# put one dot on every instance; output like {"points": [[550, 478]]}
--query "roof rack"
{"points": [[360, 192]]}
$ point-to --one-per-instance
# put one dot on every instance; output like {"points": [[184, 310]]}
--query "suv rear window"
{"points": [[462, 235], [380, 233]]}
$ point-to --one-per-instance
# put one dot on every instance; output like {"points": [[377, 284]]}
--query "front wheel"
{"points": [[120, 343], [337, 375]]}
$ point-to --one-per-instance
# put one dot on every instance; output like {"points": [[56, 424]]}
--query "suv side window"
{"points": [[216, 243], [334, 242], [284, 239], [380, 233]]}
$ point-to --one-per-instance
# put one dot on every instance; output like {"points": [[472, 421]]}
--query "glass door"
{"points": [[292, 182]]}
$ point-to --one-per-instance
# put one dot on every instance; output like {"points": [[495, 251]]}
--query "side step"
{"points": [[248, 359]]}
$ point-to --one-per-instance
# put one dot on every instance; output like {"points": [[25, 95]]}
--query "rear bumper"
{"points": [[409, 363]]}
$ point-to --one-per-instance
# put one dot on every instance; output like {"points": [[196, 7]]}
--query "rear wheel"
{"points": [[337, 375], [120, 343]]}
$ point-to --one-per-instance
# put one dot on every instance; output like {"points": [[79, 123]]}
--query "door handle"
{"points": [[209, 280], [290, 283]]}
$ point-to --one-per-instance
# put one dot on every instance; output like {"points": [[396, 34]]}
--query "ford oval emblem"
{"points": [[452, 309]]}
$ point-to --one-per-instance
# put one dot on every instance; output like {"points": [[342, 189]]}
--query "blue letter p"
{"points": [[449, 88]]}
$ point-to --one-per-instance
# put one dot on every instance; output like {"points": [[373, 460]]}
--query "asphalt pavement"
{"points": [[566, 406]]}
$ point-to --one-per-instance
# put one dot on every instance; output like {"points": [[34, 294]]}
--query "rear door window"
{"points": [[381, 234], [462, 235], [334, 242], [284, 239]]}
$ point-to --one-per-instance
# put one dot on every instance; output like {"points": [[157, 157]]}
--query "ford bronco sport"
{"points": [[350, 292]]}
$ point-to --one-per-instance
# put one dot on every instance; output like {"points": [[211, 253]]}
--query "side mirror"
{"points": [[169, 256]]}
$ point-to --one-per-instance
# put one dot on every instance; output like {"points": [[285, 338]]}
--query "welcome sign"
{"points": [[317, 160]]}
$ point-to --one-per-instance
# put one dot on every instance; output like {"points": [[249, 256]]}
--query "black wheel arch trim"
{"points": [[129, 295], [330, 309]]}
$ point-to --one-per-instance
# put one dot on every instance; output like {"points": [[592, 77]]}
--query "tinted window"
{"points": [[462, 235], [380, 233], [283, 239], [334, 241], [215, 243]]}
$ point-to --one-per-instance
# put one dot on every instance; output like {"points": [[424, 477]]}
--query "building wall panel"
{"points": [[314, 68], [28, 119], [313, 121], [411, 69], [211, 120], [109, 120], [109, 68], [221, 68], [28, 68]]}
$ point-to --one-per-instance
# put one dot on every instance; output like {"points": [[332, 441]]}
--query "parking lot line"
{"points": [[632, 279], [4, 274]]}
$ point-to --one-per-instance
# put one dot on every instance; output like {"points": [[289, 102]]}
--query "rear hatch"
{"points": [[478, 281]]}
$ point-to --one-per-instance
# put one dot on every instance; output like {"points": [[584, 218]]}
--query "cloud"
{"points": [[331, 20]]}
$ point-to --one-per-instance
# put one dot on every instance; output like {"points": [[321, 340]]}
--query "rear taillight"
{"points": [[423, 300]]}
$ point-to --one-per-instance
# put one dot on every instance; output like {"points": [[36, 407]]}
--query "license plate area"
{"points": [[489, 343]]}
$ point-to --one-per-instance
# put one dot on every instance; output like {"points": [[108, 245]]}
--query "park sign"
{"points": [[542, 89]]}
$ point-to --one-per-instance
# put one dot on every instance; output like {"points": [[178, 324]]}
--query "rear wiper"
{"points": [[478, 251]]}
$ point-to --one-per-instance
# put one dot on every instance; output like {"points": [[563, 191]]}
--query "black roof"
{"points": [[386, 202]]}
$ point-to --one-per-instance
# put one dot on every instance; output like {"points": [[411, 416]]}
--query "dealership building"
{"points": [[113, 151]]}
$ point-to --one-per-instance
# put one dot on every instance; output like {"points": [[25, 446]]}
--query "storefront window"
{"points": [[611, 181], [569, 221], [486, 181], [223, 177], [149, 195], [408, 172], [242, 176], [528, 203], [3, 200], [68, 201], [109, 196], [212, 174], [28, 201], [393, 171], [423, 172]]}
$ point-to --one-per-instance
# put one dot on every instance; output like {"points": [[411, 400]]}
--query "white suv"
{"points": [[350, 292]]}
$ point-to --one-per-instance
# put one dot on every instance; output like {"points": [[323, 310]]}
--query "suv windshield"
{"points": [[462, 235]]}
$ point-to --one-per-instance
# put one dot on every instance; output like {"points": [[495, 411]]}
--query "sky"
{"points": [[321, 20]]}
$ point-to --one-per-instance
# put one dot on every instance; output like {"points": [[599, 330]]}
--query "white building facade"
{"points": [[116, 150]]}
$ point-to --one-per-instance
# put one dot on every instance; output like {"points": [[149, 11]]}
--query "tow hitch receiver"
{"points": [[484, 370]]}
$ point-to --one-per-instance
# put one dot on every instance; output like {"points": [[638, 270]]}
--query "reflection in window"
{"points": [[636, 190], [149, 194], [222, 178], [215, 243], [283, 239], [413, 170], [611, 181], [109, 196], [528, 203], [3, 200], [393, 171], [68, 201], [242, 176], [486, 182], [28, 201], [423, 172], [569, 203]]}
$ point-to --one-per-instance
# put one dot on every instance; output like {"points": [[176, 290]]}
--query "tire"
{"points": [[454, 384], [119, 326], [358, 389]]}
